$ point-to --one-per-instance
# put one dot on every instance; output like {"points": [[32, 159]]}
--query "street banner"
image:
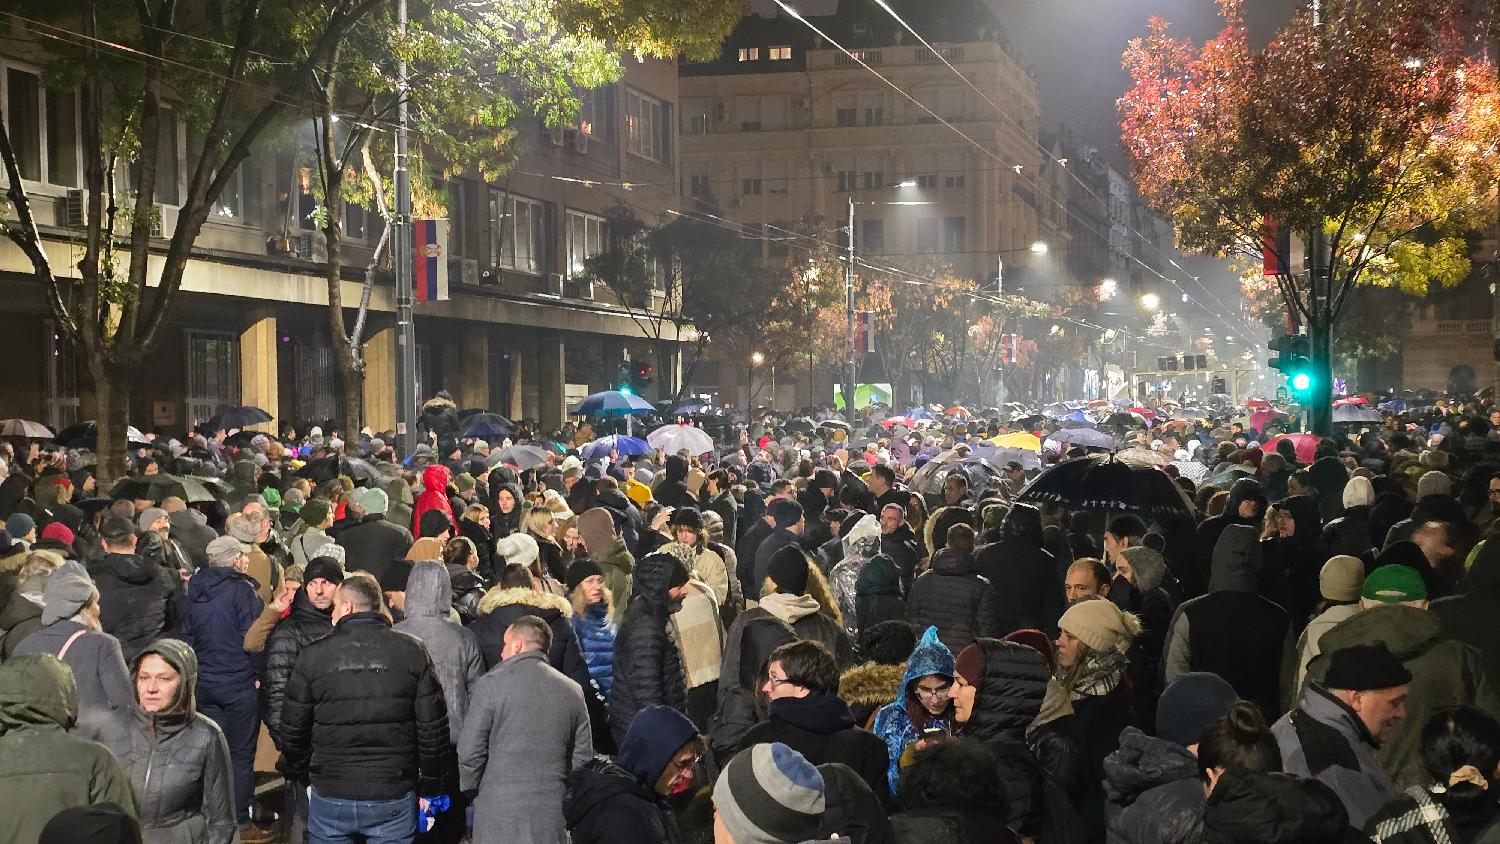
{"points": [[1275, 249], [864, 334], [430, 276]]}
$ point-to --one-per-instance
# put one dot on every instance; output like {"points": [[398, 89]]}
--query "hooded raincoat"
{"points": [[901, 722]]}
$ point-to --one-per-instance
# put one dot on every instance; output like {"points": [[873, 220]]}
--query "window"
{"points": [[872, 236], [749, 54], [748, 109], [585, 240], [926, 180], [596, 114], [213, 372], [875, 116], [927, 234], [699, 187], [874, 179], [355, 221], [953, 234], [750, 187], [846, 116], [23, 93], [168, 157], [518, 232], [62, 137], [847, 180], [462, 200], [643, 125], [230, 203], [872, 106], [780, 53], [953, 181]]}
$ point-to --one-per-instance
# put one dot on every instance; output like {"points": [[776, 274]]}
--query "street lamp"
{"points": [[907, 183], [1150, 301], [1039, 247], [757, 358]]}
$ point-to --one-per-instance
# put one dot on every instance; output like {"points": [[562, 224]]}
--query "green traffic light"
{"points": [[625, 388], [1301, 382]]}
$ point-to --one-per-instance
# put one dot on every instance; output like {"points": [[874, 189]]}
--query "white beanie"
{"points": [[1358, 491]]}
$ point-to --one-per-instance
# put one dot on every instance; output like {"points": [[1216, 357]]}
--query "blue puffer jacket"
{"points": [[596, 637], [222, 604], [893, 723]]}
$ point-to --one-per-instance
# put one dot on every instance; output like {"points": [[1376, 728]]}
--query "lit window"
{"points": [[585, 240], [749, 54], [781, 53]]}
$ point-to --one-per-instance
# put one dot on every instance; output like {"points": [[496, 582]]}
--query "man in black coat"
{"points": [[807, 715], [1247, 502], [899, 542], [789, 521], [364, 722], [139, 601], [1024, 576], [952, 595], [884, 487], [372, 540], [648, 666]]}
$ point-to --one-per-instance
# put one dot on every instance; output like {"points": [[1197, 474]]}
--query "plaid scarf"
{"points": [[1100, 675]]}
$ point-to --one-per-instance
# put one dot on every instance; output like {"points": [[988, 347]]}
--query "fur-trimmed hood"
{"points": [[871, 684], [501, 596]]}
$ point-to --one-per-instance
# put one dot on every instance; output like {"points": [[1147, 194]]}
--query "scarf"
{"points": [[1099, 676]]}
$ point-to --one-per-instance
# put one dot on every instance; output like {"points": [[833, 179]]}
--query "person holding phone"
{"points": [[924, 703]]}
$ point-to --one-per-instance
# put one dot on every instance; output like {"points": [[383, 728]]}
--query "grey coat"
{"points": [[178, 763], [526, 730], [1356, 777], [453, 648], [105, 691]]}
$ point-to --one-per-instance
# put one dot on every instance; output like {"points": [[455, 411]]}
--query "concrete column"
{"points": [[474, 367], [552, 376], [258, 350], [380, 380], [514, 412], [668, 369]]}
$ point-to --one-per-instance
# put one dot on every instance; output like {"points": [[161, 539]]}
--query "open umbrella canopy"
{"points": [[1104, 483], [1086, 437], [618, 443], [1019, 439], [189, 489], [1351, 400], [998, 457], [485, 426], [1305, 444], [674, 438], [522, 457], [1354, 413], [691, 408], [1143, 456], [978, 471], [1261, 418], [1227, 477], [24, 428], [86, 435], [239, 416], [612, 403]]}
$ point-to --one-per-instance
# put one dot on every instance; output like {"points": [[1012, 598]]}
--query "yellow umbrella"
{"points": [[1019, 439]]}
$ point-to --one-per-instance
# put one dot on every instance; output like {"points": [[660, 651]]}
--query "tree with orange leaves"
{"points": [[1369, 127]]}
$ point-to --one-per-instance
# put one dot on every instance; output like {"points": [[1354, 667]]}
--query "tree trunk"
{"points": [[112, 393]]}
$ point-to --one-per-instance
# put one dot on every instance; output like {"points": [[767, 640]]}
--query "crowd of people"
{"points": [[779, 640]]}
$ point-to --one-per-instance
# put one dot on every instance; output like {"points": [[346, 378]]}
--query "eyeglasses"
{"points": [[1494, 491], [934, 694], [777, 682]]}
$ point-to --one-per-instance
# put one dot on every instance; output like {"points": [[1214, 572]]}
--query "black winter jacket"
{"points": [[1011, 687], [139, 601], [821, 728], [1195, 579], [648, 666], [499, 608], [1024, 576], [778, 539], [372, 541], [302, 626], [1274, 809], [364, 717], [484, 547], [606, 804], [954, 597], [903, 547], [1349, 533], [1155, 792]]}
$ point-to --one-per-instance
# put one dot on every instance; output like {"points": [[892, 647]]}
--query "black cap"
{"points": [[788, 570], [395, 575], [1363, 668], [688, 517], [580, 571], [324, 567]]}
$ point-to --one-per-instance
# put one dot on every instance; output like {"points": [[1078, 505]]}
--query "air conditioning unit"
{"points": [[468, 271], [557, 135], [75, 208], [555, 284], [581, 143]]}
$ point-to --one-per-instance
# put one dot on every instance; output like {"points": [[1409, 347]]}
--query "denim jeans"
{"points": [[237, 713], [331, 820]]}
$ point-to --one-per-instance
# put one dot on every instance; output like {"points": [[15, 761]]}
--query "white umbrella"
{"points": [[674, 438], [24, 428], [1144, 456]]}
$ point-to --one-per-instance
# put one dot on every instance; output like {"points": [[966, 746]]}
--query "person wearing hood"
{"points": [[624, 800], [953, 597], [71, 632], [506, 505], [177, 760], [1348, 532], [1246, 505], [21, 614], [439, 418], [528, 728], [806, 714], [1023, 574], [1232, 631], [605, 546], [648, 666], [1155, 783], [1444, 672], [221, 608], [1340, 583], [922, 706], [998, 688], [861, 541], [878, 593], [45, 767], [1137, 588], [1093, 647], [671, 490], [372, 539], [139, 599], [1294, 556], [434, 495]]}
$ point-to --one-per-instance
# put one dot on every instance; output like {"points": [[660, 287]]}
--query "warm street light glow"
{"points": [[1150, 301], [907, 183], [1108, 288], [757, 358], [1039, 248]]}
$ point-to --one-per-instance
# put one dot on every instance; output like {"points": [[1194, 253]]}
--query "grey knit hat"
{"points": [[148, 518], [770, 794], [69, 589]]}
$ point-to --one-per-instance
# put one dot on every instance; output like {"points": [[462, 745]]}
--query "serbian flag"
{"points": [[864, 335], [430, 276], [1275, 249]]}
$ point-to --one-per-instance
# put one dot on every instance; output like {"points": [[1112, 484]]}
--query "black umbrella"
{"points": [[1103, 483], [132, 488], [239, 416], [800, 425], [467, 415], [325, 469], [86, 435], [485, 426]]}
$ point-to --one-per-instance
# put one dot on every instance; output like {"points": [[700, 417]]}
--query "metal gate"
{"points": [[213, 373], [317, 383]]}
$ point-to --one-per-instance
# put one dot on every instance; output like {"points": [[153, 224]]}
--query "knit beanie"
{"points": [[1361, 668], [1342, 578], [464, 482], [325, 567], [969, 664], [517, 548], [272, 497], [656, 734], [1434, 482], [20, 524], [314, 512], [888, 643], [333, 551], [143, 522], [1393, 584], [1101, 625], [59, 532], [1190, 703], [687, 517], [788, 570], [1036, 640], [1358, 491], [770, 794], [785, 512], [374, 501], [69, 589], [1147, 564], [580, 571]]}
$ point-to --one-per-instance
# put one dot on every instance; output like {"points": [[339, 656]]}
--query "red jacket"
{"points": [[434, 497]]}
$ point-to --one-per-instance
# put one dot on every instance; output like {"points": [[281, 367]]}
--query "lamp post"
{"points": [[850, 375], [406, 332]]}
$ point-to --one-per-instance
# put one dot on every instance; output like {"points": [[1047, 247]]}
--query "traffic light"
{"points": [[641, 375], [1293, 361]]}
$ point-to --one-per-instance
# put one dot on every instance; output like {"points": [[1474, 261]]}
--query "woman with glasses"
{"points": [[924, 710]]}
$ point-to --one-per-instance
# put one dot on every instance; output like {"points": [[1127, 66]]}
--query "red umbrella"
{"points": [[1144, 411], [1257, 403], [1260, 418], [1358, 400], [1305, 444]]}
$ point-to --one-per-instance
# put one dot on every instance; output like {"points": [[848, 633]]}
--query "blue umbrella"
{"points": [[622, 445], [484, 426], [690, 408], [1086, 437], [613, 403]]}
